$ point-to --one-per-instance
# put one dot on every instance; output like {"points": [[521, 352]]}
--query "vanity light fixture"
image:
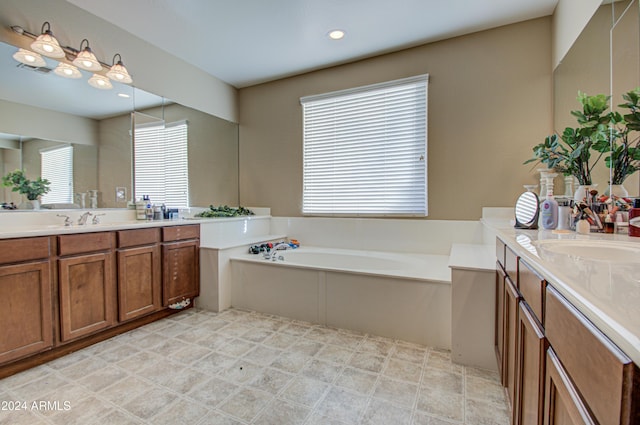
{"points": [[46, 44], [100, 82], [30, 58], [86, 59], [118, 72], [336, 34], [67, 71]]}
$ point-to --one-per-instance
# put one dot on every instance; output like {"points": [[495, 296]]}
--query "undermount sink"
{"points": [[614, 251]]}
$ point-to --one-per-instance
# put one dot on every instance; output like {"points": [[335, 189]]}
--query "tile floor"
{"points": [[240, 367]]}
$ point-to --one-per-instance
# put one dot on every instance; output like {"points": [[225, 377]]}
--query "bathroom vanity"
{"points": [[66, 290], [566, 336]]}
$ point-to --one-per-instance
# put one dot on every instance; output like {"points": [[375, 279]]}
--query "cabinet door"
{"points": [[180, 271], [499, 331], [26, 312], [138, 282], [531, 348], [87, 294], [562, 404], [511, 299]]}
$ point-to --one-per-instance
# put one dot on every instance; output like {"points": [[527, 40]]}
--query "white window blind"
{"points": [[365, 150], [161, 163], [57, 167]]}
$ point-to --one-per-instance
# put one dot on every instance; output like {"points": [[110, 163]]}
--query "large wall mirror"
{"points": [[604, 59], [40, 111]]}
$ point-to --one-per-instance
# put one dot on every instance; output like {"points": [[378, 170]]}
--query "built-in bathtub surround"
{"points": [[240, 367], [395, 295]]}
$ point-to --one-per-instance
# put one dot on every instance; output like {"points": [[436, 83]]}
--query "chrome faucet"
{"points": [[96, 218], [83, 218], [273, 255], [67, 219]]}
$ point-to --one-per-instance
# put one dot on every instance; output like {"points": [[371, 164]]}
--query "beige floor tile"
{"points": [[375, 346], [367, 361], [296, 329], [343, 405], [124, 390], [321, 370], [180, 411], [381, 412], [306, 346], [318, 419], [218, 418], [280, 340], [119, 352], [481, 413], [184, 381], [262, 355], [271, 380], [398, 392], [357, 380], [40, 388], [82, 412], [68, 360], [443, 380], [215, 341], [215, 362], [403, 370], [240, 372], [236, 347], [189, 353], [116, 417], [346, 340], [29, 375], [280, 412], [149, 403], [257, 335], [441, 403], [305, 391], [291, 362], [409, 353], [212, 392], [103, 378], [21, 417], [490, 375], [139, 361], [246, 404], [335, 354], [421, 418], [485, 391]]}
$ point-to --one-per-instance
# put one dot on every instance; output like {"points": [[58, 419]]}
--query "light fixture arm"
{"points": [[113, 61], [48, 25]]}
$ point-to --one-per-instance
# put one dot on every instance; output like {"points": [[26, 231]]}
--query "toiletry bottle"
{"points": [[564, 215], [549, 209], [634, 219]]}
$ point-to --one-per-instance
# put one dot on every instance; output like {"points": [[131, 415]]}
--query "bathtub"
{"points": [[400, 296]]}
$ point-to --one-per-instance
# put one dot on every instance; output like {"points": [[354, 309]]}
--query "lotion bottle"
{"points": [[634, 219], [549, 209]]}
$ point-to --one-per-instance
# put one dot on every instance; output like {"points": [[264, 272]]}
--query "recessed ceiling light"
{"points": [[336, 34], [126, 96]]}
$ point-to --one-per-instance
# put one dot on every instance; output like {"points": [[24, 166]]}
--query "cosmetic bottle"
{"points": [[549, 210], [634, 219]]}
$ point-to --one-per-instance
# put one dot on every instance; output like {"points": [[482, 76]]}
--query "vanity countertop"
{"points": [[606, 292]]}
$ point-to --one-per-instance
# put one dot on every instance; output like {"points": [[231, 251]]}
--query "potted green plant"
{"points": [[32, 189], [624, 148], [570, 152]]}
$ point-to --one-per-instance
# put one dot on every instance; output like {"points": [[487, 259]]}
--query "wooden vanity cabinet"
{"points": [[566, 370], [139, 273], [86, 284], [26, 315], [180, 263]]}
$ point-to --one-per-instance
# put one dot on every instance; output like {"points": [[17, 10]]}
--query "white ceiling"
{"points": [[246, 42]]}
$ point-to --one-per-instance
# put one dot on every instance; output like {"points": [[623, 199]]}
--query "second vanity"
{"points": [[63, 288], [567, 327]]}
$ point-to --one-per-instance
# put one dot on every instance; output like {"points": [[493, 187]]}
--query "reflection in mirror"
{"points": [[527, 211], [39, 108], [586, 67]]}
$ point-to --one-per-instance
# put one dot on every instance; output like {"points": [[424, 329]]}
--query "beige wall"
{"points": [[489, 103]]}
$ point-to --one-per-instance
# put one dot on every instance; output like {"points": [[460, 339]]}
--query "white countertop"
{"points": [[472, 257], [607, 293]]}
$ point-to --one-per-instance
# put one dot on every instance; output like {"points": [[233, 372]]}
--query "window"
{"points": [[365, 150], [161, 163], [57, 167]]}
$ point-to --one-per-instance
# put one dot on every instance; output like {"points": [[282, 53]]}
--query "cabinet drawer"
{"points": [[84, 242], [24, 249], [532, 289], [500, 248], [600, 371], [511, 264], [177, 233], [137, 237]]}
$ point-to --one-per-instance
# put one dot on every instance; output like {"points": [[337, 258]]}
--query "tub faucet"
{"points": [[272, 255], [83, 218]]}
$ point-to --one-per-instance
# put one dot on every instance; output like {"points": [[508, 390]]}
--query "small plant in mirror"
{"points": [[32, 189], [624, 150]]}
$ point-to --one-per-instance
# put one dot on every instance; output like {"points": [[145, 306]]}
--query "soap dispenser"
{"points": [[549, 207]]}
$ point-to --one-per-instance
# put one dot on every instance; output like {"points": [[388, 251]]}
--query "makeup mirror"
{"points": [[527, 211]]}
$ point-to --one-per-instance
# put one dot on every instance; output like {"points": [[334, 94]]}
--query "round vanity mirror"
{"points": [[527, 210]]}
